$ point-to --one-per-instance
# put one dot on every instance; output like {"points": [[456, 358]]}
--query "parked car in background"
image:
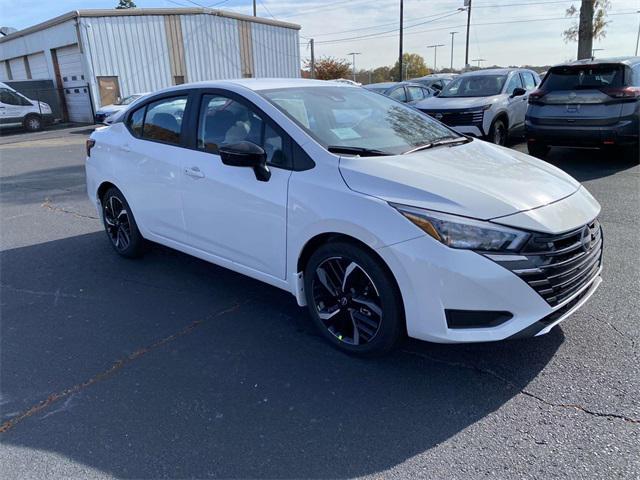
{"points": [[379, 219], [16, 110], [489, 104], [406, 92], [586, 103], [436, 81], [107, 110], [347, 81]]}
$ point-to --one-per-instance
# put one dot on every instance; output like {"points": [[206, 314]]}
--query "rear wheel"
{"points": [[120, 224], [498, 132], [539, 150], [32, 123], [353, 299]]}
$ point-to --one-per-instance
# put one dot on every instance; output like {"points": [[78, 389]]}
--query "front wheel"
{"points": [[498, 132], [120, 224], [33, 123], [353, 299]]}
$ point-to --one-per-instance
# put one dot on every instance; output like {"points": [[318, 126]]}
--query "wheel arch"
{"points": [[102, 189], [331, 237], [501, 115]]}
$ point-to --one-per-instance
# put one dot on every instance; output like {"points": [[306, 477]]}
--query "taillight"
{"points": [[536, 96], [90, 144], [623, 92]]}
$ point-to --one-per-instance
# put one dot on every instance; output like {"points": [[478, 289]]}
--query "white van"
{"points": [[16, 109]]}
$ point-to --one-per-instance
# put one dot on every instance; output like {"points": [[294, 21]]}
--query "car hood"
{"points": [[440, 103], [109, 109], [476, 179]]}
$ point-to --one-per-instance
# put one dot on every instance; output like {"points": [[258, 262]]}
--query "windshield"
{"points": [[474, 86], [127, 100], [357, 118], [575, 78]]}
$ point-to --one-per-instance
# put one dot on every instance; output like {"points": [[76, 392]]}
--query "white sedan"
{"points": [[383, 221]]}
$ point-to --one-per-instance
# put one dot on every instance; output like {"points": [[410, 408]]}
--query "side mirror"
{"points": [[246, 154], [518, 92], [436, 93]]}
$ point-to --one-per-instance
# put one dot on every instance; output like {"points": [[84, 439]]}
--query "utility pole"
{"points": [[353, 63], [467, 3], [479, 60], [254, 9], [638, 38], [435, 55], [400, 56], [313, 59], [452, 35]]}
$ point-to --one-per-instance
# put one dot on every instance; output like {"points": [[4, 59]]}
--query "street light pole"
{"points": [[400, 56], [638, 37], [467, 3], [479, 60], [435, 54], [353, 63], [594, 50], [254, 8], [452, 35]]}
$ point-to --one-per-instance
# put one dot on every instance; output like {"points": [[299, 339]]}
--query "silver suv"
{"points": [[489, 104]]}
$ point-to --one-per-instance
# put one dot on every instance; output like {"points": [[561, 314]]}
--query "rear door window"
{"points": [[398, 94], [163, 120]]}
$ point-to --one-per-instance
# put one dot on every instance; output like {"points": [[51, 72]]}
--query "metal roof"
{"points": [[112, 12]]}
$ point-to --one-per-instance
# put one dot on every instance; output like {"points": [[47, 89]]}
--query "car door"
{"points": [[13, 107], [517, 105], [228, 212], [150, 168]]}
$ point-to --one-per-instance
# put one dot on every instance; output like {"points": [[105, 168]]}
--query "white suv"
{"points": [[489, 104], [378, 218]]}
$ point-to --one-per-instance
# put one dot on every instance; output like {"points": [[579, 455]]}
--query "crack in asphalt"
{"points": [[626, 336], [114, 368], [48, 204], [523, 391]]}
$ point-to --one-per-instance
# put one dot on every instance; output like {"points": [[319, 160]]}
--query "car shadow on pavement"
{"points": [[589, 164], [168, 366]]}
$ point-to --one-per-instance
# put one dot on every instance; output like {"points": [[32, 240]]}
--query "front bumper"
{"points": [[434, 279]]}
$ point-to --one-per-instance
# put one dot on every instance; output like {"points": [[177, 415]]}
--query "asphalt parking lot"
{"points": [[169, 367]]}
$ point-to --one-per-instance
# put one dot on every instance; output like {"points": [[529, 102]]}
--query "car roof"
{"points": [[494, 71], [257, 84], [631, 61], [382, 85]]}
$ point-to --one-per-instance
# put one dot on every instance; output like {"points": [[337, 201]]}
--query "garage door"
{"points": [[76, 91], [38, 66]]}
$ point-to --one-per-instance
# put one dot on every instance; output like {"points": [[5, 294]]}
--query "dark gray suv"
{"points": [[587, 103]]}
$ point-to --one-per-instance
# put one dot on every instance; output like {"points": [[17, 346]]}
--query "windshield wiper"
{"points": [[439, 143], [371, 152]]}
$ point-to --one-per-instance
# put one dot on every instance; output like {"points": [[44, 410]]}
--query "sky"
{"points": [[503, 32]]}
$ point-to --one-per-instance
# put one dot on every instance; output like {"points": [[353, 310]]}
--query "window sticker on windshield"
{"points": [[345, 133]]}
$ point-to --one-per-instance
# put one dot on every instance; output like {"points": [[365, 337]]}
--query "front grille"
{"points": [[558, 266], [458, 117]]}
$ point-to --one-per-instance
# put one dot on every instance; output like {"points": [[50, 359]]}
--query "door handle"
{"points": [[193, 172], [125, 148]]}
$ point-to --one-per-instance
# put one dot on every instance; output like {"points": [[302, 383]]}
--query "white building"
{"points": [[95, 56]]}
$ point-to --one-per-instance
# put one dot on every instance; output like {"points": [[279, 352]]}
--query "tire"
{"points": [[538, 150], [498, 132], [32, 123], [367, 319], [121, 228], [632, 153]]}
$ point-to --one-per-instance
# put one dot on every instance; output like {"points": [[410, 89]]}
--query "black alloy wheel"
{"points": [[347, 301], [120, 224], [353, 299]]}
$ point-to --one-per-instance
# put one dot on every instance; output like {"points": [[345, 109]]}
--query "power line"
{"points": [[384, 34]]}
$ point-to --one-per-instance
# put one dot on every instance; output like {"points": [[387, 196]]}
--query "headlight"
{"points": [[466, 233]]}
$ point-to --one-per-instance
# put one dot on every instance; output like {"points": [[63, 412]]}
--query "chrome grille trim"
{"points": [[559, 266]]}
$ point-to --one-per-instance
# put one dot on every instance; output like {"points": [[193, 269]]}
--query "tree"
{"points": [[413, 65], [381, 74], [329, 68], [124, 4], [591, 25]]}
